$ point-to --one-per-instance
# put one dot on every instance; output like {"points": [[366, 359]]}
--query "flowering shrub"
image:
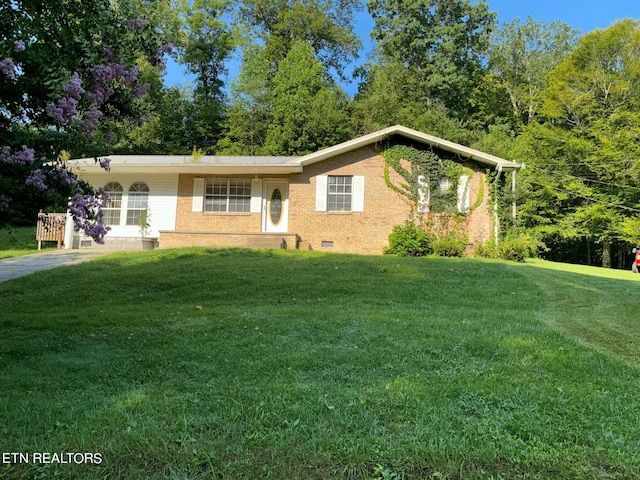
{"points": [[61, 84], [86, 211]]}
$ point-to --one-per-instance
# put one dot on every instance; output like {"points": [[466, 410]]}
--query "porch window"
{"points": [[111, 208], [137, 202], [339, 194], [227, 195]]}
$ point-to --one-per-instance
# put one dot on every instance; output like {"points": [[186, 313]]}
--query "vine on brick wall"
{"points": [[428, 165]]}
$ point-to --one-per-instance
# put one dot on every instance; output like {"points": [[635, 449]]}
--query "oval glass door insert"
{"points": [[275, 206]]}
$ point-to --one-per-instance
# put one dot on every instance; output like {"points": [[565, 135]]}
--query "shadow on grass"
{"points": [[205, 363]]}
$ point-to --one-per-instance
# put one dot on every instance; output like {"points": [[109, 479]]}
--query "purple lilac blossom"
{"points": [[65, 110], [103, 74], [19, 46], [26, 156], [86, 211], [54, 112], [135, 24], [8, 68], [37, 179], [141, 90], [158, 55], [93, 115], [74, 86], [64, 175], [105, 163], [101, 94], [91, 120]]}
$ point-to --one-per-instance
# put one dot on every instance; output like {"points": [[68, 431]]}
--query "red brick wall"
{"points": [[187, 220], [351, 232]]}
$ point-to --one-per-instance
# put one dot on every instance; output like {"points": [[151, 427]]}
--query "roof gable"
{"points": [[415, 135]]}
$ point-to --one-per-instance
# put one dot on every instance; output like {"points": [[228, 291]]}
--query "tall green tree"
{"points": [[442, 44], [521, 55], [389, 95], [248, 112], [327, 25], [209, 43], [308, 109], [586, 159], [273, 29], [180, 119]]}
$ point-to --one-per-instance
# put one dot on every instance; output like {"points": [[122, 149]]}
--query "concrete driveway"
{"points": [[15, 267]]}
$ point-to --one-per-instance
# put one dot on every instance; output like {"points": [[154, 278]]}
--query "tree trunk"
{"points": [[606, 253], [588, 250]]}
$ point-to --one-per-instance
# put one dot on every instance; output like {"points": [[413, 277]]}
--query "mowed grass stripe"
{"points": [[204, 363]]}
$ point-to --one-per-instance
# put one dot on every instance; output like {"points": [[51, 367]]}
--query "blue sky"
{"points": [[583, 15]]}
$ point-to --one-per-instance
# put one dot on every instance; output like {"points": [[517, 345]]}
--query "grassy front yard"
{"points": [[16, 241], [248, 364]]}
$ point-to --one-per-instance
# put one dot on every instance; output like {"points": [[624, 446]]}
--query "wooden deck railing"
{"points": [[50, 228]]}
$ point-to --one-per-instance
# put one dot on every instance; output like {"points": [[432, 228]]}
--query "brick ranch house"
{"points": [[334, 200]]}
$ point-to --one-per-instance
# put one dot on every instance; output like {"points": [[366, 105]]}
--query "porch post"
{"points": [[513, 195]]}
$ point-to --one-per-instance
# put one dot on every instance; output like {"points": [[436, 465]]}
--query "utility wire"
{"points": [[595, 181], [595, 200], [604, 162]]}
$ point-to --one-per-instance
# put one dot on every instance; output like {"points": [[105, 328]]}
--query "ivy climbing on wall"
{"points": [[424, 173]]}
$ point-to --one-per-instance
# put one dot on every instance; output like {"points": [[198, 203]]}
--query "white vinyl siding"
{"points": [[162, 201]]}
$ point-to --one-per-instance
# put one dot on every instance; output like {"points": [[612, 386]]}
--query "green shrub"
{"points": [[451, 245], [409, 240], [518, 247], [486, 250], [515, 247]]}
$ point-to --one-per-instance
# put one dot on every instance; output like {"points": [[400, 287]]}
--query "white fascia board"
{"points": [[415, 135], [195, 168]]}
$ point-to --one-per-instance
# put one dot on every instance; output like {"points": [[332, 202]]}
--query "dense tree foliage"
{"points": [[327, 25], [521, 55], [83, 78], [68, 71], [441, 43], [586, 155], [274, 92]]}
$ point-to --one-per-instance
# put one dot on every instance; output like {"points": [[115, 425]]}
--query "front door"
{"points": [[275, 206]]}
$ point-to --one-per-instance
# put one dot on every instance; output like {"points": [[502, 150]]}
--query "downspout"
{"points": [[513, 196]]}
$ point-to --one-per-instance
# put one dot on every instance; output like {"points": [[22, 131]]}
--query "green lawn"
{"points": [[16, 241], [206, 364]]}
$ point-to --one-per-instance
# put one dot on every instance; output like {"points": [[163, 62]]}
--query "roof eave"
{"points": [[469, 153], [195, 169]]}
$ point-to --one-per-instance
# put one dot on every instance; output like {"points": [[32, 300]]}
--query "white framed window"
{"points": [[112, 207], [340, 193], [227, 195], [137, 202]]}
